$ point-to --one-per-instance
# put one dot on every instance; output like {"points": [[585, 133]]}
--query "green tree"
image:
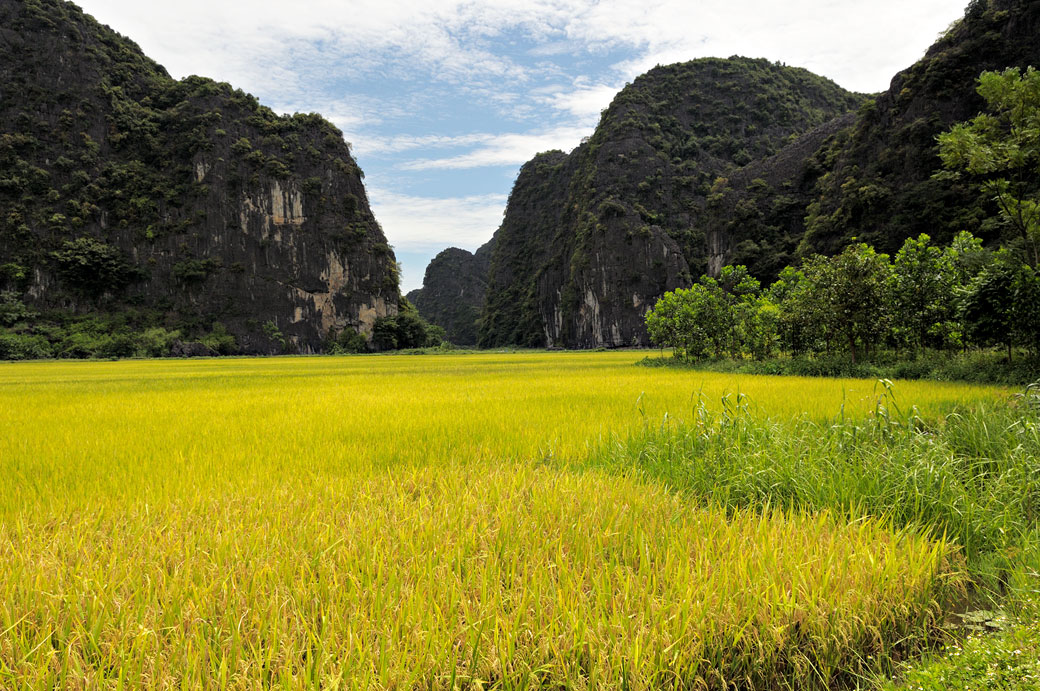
{"points": [[1003, 148], [800, 327], [715, 317], [850, 295], [674, 323], [757, 321], [967, 257], [12, 309], [922, 297], [406, 329], [987, 306]]}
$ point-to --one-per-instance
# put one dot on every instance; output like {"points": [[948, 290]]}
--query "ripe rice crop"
{"points": [[397, 522]]}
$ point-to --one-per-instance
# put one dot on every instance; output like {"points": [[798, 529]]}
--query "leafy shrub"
{"points": [[13, 310], [94, 268], [220, 340], [156, 342], [405, 330], [195, 270], [347, 342], [15, 346]]}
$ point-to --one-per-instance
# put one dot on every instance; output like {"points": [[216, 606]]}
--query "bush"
{"points": [[94, 268], [156, 342], [13, 310], [220, 340], [346, 343], [405, 330], [15, 346]]}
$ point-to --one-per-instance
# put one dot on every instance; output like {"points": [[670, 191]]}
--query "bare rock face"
{"points": [[181, 203]]}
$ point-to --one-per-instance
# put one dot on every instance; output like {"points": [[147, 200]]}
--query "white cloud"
{"points": [[584, 101], [414, 223], [505, 150], [374, 145], [269, 47]]}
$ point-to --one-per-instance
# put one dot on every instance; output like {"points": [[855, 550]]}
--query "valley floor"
{"points": [[526, 520]]}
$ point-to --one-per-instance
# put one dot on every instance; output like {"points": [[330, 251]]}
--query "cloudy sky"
{"points": [[443, 100]]}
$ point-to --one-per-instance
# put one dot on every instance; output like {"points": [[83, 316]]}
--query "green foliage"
{"points": [[979, 366], [191, 271], [850, 293], [12, 309], [93, 267], [973, 476], [857, 303], [12, 275], [98, 335], [220, 340], [1003, 148], [21, 346], [923, 294], [404, 330], [1005, 660], [1002, 305], [156, 341], [347, 342], [273, 333], [715, 317]]}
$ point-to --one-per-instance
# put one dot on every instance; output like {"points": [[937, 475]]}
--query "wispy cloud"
{"points": [[584, 101], [415, 223], [271, 48], [505, 150]]}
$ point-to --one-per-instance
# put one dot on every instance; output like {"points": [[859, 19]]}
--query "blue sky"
{"points": [[444, 100]]}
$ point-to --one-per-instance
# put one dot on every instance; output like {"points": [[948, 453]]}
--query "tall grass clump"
{"points": [[971, 476]]}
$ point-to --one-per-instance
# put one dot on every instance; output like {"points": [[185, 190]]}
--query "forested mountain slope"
{"points": [[591, 239], [873, 179]]}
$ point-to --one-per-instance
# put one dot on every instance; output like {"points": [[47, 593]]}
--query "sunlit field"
{"points": [[143, 429], [431, 521]]}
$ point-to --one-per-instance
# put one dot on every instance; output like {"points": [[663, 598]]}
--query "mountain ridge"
{"points": [[208, 207]]}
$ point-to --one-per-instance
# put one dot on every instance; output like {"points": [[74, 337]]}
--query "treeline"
{"points": [[927, 297]]}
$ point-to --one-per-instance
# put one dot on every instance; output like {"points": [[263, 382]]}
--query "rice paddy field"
{"points": [[514, 520]]}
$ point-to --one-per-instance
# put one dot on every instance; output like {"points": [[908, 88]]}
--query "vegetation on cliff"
{"points": [[926, 298], [453, 292]]}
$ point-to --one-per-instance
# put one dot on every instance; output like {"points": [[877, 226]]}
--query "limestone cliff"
{"points": [[178, 203]]}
